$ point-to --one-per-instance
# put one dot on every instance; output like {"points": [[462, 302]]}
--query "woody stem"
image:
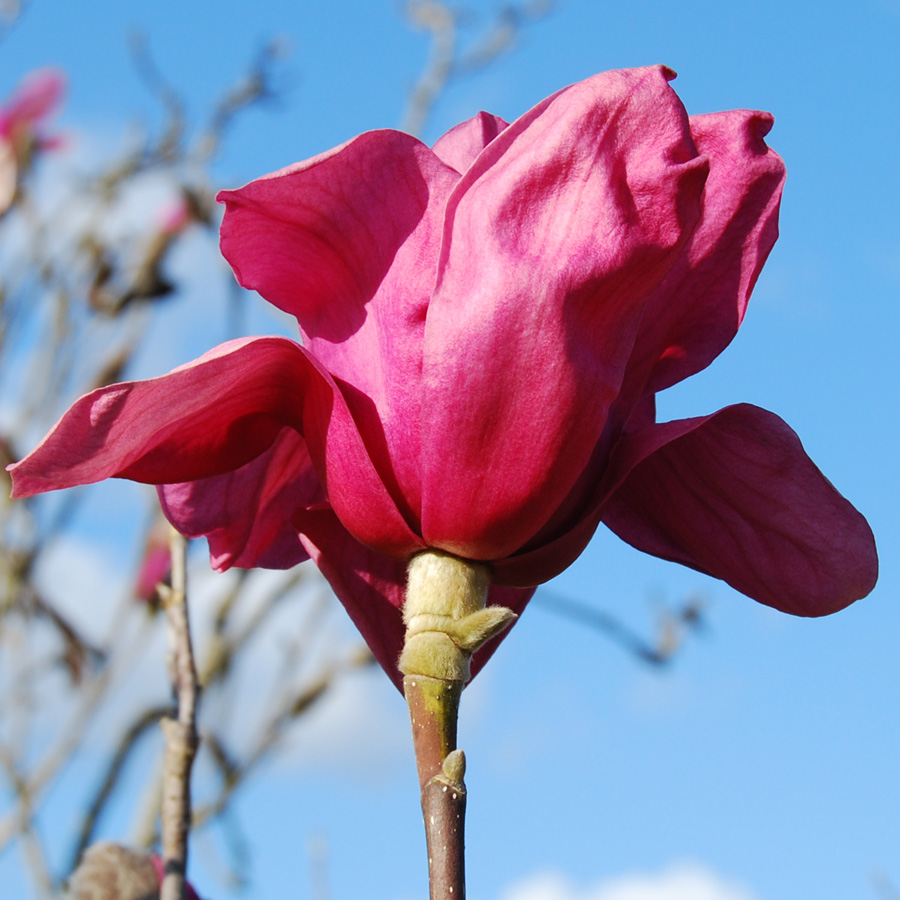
{"points": [[433, 705], [447, 620]]}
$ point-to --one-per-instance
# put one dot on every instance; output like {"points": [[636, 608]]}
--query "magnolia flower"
{"points": [[485, 325], [20, 119]]}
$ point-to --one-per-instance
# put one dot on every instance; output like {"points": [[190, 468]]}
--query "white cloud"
{"points": [[360, 729], [682, 881]]}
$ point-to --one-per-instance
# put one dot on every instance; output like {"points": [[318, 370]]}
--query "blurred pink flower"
{"points": [[20, 134], [175, 216], [485, 325], [156, 562], [36, 98]]}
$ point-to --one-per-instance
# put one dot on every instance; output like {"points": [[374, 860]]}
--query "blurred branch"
{"points": [[446, 62], [22, 824], [11, 12], [272, 734], [257, 85], [436, 18], [79, 287], [168, 148], [127, 743], [884, 886], [673, 625]]}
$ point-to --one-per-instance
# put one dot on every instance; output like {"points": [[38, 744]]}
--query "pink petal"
{"points": [[208, 417], [555, 238], [735, 495], [372, 588], [211, 417], [348, 243], [459, 147], [247, 514], [697, 310]]}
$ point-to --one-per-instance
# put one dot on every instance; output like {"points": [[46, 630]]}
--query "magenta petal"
{"points": [[459, 147], [348, 242], [735, 495], [372, 588], [318, 239], [211, 417], [697, 310], [555, 238], [247, 514], [208, 417]]}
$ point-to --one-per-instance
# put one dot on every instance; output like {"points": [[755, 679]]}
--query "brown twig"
{"points": [[433, 709], [181, 732], [674, 625]]}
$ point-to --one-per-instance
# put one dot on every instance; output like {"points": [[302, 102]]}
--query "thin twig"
{"points": [[114, 771], [272, 734], [181, 732], [24, 825], [673, 625]]}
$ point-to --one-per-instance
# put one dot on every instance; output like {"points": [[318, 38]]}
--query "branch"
{"points": [[114, 771], [180, 733], [445, 62], [441, 22], [672, 626]]}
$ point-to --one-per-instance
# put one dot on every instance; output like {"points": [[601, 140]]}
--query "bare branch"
{"points": [[181, 732], [115, 768], [673, 625], [446, 62]]}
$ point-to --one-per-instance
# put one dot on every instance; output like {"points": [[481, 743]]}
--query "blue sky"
{"points": [[767, 753]]}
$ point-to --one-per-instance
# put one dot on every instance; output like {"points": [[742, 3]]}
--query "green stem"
{"points": [[446, 622]]}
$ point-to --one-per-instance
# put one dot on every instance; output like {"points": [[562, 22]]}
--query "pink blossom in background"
{"points": [[156, 562], [175, 216], [21, 117], [485, 325]]}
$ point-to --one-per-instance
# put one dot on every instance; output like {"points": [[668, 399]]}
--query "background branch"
{"points": [[180, 731]]}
